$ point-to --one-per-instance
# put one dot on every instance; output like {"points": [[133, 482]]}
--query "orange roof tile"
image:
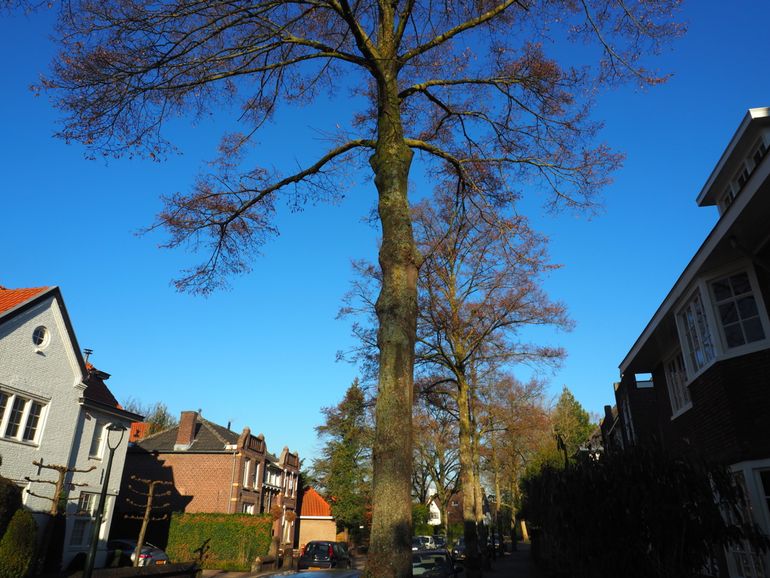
{"points": [[314, 505], [10, 298]]}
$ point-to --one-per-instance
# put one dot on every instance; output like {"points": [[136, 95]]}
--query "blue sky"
{"points": [[263, 353]]}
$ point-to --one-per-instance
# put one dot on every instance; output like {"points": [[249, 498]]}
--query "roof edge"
{"points": [[751, 115]]}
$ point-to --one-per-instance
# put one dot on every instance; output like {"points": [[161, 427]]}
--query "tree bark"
{"points": [[390, 549], [468, 481]]}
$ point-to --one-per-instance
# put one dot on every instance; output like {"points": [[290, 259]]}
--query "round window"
{"points": [[41, 336]]}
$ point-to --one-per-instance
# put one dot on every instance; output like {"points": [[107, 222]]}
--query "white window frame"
{"points": [[99, 430], [628, 422], [13, 395], [687, 351], [84, 518], [676, 383], [761, 312], [702, 286], [757, 509], [246, 468]]}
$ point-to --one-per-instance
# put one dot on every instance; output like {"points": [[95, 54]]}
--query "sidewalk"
{"points": [[516, 564]]}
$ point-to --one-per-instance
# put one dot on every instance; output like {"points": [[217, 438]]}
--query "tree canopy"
{"points": [[344, 468], [470, 86]]}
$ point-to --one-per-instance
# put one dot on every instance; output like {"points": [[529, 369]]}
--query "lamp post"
{"points": [[91, 559]]}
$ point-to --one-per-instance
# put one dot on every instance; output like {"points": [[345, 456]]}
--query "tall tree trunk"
{"points": [[390, 549], [468, 480], [514, 495], [481, 527]]}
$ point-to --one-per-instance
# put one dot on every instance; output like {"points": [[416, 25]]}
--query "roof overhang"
{"points": [[737, 149], [740, 232]]}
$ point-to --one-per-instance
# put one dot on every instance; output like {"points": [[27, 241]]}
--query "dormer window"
{"points": [[759, 152]]}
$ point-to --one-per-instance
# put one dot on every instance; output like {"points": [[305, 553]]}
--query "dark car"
{"points": [[322, 554], [440, 542], [459, 549], [434, 564], [121, 552]]}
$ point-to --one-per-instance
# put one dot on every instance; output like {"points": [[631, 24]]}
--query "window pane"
{"points": [[737, 311], [748, 307], [32, 420], [15, 420], [740, 284], [728, 313], [754, 330], [722, 290], [734, 335], [96, 440], [3, 403]]}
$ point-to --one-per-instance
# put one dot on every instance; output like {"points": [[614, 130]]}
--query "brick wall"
{"points": [[201, 482], [729, 417], [310, 529]]}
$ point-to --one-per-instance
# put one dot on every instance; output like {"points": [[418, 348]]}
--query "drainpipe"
{"points": [[232, 481]]}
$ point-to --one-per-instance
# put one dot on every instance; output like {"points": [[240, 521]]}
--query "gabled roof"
{"points": [[96, 389], [313, 505], [12, 298], [209, 438], [15, 301]]}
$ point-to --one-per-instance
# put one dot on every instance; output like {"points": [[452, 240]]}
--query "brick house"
{"points": [[698, 377], [55, 409], [214, 469]]}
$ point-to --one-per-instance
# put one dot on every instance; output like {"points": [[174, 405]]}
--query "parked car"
{"points": [[458, 551], [323, 554], [440, 542], [423, 543], [434, 564], [124, 550]]}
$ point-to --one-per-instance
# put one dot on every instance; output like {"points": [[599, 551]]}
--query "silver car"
{"points": [[126, 549]]}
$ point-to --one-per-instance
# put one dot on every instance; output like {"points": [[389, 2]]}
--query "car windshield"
{"points": [[317, 550], [429, 564]]}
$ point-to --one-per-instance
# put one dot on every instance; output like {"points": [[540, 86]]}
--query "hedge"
{"points": [[219, 541], [17, 547], [10, 502], [639, 513]]}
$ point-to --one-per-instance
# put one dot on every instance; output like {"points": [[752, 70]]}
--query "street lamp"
{"points": [[91, 559]]}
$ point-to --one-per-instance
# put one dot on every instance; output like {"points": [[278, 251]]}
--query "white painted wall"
{"points": [[50, 375]]}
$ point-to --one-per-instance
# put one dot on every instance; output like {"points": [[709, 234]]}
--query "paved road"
{"points": [[517, 564]]}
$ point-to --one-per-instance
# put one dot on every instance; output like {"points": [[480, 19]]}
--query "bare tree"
{"points": [[149, 497], [478, 288], [436, 453], [468, 85]]}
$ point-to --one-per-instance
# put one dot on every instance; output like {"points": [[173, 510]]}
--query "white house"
{"points": [[55, 410]]}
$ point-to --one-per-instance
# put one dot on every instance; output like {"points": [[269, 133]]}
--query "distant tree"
{"points": [[515, 426], [436, 454], [344, 468], [157, 414], [478, 290], [571, 423]]}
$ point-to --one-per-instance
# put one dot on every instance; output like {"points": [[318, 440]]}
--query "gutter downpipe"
{"points": [[232, 482]]}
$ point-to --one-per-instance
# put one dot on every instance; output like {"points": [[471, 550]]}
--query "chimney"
{"points": [[608, 413], [185, 435]]}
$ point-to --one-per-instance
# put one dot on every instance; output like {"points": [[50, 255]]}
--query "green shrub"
{"points": [[17, 547], [10, 502], [219, 541]]}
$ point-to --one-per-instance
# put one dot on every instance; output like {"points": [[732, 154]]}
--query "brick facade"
{"points": [[213, 469]]}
